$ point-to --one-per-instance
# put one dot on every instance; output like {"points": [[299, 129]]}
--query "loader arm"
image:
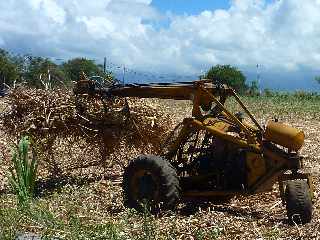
{"points": [[176, 91], [199, 92], [204, 95]]}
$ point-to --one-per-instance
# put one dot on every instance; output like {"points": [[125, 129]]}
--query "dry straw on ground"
{"points": [[89, 129]]}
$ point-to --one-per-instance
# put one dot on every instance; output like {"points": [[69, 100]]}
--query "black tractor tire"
{"points": [[298, 202], [157, 172]]}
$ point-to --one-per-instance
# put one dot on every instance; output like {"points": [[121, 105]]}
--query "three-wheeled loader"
{"points": [[214, 153]]}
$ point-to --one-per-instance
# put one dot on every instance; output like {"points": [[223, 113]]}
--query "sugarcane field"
{"points": [[159, 119]]}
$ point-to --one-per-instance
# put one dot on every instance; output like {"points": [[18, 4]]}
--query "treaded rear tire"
{"points": [[298, 202], [165, 175]]}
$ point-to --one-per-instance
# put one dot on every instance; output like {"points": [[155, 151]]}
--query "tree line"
{"points": [[36, 71]]}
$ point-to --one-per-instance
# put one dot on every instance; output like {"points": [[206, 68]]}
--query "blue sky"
{"points": [[191, 7], [173, 37]]}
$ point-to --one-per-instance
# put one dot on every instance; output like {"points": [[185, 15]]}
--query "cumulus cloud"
{"points": [[281, 35]]}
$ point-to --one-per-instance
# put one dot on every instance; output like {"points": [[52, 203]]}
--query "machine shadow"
{"points": [[46, 187], [193, 207]]}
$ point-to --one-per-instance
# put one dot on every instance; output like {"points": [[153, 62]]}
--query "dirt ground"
{"points": [[97, 195]]}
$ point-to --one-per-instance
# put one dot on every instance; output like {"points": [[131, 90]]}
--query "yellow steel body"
{"points": [[284, 135], [265, 166], [256, 167]]}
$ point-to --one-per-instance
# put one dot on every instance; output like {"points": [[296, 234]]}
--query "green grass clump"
{"points": [[8, 223], [24, 171], [37, 218], [148, 225]]}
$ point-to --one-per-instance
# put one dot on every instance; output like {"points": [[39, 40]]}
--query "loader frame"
{"points": [[283, 165]]}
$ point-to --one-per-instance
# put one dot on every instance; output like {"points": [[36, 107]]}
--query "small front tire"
{"points": [[150, 179], [298, 202]]}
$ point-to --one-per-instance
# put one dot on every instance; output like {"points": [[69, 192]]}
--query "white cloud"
{"points": [[281, 35], [98, 27], [49, 9]]}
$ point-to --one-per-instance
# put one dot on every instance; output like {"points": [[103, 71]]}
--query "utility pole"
{"points": [[258, 78], [124, 73], [201, 74], [105, 65], [258, 74]]}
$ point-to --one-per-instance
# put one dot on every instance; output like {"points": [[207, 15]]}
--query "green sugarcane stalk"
{"points": [[24, 172]]}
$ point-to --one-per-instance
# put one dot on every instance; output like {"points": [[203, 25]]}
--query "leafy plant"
{"points": [[74, 67], [24, 171], [43, 73], [253, 89], [268, 92], [8, 70], [148, 224], [215, 233], [226, 74], [272, 234], [201, 234]]}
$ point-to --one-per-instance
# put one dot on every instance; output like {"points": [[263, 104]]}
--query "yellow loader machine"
{"points": [[214, 154]]}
